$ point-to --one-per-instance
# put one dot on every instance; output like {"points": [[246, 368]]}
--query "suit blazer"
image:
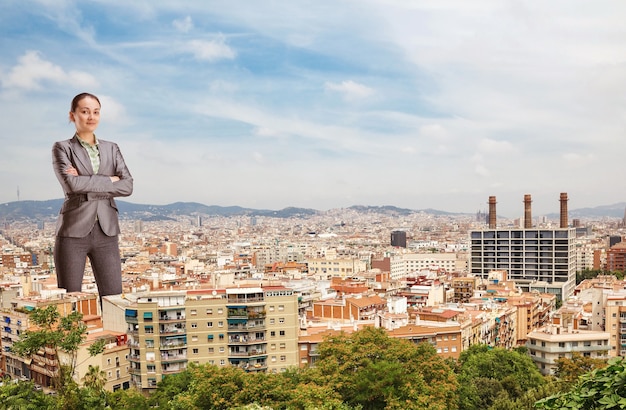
{"points": [[88, 196]]}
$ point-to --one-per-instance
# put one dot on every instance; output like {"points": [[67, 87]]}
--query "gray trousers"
{"points": [[70, 257]]}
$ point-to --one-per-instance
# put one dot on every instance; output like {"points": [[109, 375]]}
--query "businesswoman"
{"points": [[92, 172]]}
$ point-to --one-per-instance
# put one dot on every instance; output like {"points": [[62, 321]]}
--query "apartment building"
{"points": [[254, 328], [616, 257], [326, 268], [535, 258], [403, 265], [549, 343], [43, 367]]}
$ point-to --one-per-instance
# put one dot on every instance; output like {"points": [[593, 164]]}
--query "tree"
{"points": [[22, 395], [94, 378], [487, 375], [63, 336], [371, 370], [568, 371], [603, 388]]}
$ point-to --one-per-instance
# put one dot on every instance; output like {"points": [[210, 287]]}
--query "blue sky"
{"points": [[325, 104]]}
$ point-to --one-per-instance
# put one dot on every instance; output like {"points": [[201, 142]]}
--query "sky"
{"points": [[325, 104]]}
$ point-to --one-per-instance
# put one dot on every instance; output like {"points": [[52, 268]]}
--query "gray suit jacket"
{"points": [[88, 196]]}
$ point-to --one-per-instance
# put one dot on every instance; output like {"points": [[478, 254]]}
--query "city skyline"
{"points": [[428, 104]]}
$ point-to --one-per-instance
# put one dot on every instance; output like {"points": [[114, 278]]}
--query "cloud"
{"points": [[183, 25], [350, 90], [32, 71], [213, 50], [491, 146]]}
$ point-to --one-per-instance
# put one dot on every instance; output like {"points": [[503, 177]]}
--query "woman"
{"points": [[91, 172]]}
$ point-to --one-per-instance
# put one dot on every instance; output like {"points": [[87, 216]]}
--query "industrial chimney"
{"points": [[492, 212], [563, 209], [528, 218]]}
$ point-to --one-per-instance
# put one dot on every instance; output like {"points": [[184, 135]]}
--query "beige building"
{"points": [[254, 328], [405, 264], [552, 342], [326, 268], [43, 367]]}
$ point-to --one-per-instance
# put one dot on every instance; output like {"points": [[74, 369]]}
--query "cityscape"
{"points": [[261, 293]]}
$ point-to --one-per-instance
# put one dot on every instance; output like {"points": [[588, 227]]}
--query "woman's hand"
{"points": [[71, 171], [114, 178]]}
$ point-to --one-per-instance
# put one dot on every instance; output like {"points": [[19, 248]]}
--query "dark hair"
{"points": [[79, 97]]}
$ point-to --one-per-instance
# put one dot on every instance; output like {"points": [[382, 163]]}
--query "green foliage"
{"points": [[569, 370], [365, 370], [61, 334], [22, 395], [592, 273], [603, 388], [374, 371], [495, 376]]}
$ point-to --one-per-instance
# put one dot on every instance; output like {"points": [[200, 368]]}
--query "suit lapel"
{"points": [[81, 158], [105, 160]]}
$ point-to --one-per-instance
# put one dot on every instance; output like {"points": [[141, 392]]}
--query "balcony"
{"points": [[248, 353], [244, 340], [172, 345], [245, 327], [171, 319], [170, 330], [134, 371], [173, 358]]}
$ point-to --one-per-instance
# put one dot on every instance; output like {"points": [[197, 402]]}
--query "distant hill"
{"points": [[50, 209], [602, 211]]}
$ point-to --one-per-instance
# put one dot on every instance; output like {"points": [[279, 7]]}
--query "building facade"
{"points": [[252, 328], [530, 256]]}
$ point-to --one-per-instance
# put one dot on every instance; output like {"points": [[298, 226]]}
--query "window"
{"points": [[209, 311], [272, 333], [209, 324], [281, 308], [149, 329], [211, 350], [283, 358], [193, 312], [220, 311], [271, 308], [195, 351], [222, 349], [282, 333], [221, 336], [194, 325], [271, 321], [222, 362], [273, 346], [283, 346], [281, 320], [194, 338], [220, 324]]}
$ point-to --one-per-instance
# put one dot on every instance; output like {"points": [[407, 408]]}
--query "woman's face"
{"points": [[86, 116]]}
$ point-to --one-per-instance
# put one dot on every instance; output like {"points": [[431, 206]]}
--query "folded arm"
{"points": [[120, 183]]}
